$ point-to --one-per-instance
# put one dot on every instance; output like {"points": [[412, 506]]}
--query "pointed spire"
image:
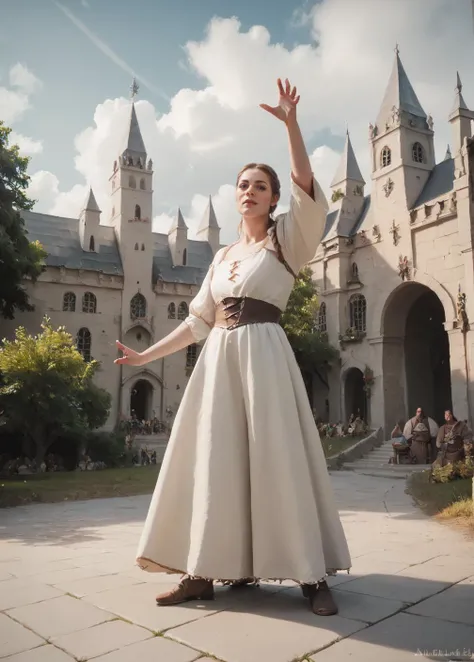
{"points": [[91, 202], [348, 167], [459, 103], [135, 147], [209, 219], [178, 223], [399, 94], [448, 154]]}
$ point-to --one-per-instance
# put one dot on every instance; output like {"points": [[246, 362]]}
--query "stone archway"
{"points": [[141, 399], [355, 398], [416, 362]]}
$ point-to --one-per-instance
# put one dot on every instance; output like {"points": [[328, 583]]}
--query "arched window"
{"points": [[138, 212], [191, 356], [143, 247], [185, 256], [386, 157], [182, 310], [132, 182], [172, 311], [92, 243], [136, 246], [83, 343], [142, 183], [69, 302], [322, 322], [358, 312], [418, 153], [89, 303], [138, 306]]}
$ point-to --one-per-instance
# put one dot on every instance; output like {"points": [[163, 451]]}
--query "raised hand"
{"points": [[130, 356], [286, 108]]}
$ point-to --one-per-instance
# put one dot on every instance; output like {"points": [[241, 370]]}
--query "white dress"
{"points": [[244, 489]]}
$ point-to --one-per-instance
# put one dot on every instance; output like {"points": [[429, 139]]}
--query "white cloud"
{"points": [[207, 134], [15, 102], [28, 146], [24, 79]]}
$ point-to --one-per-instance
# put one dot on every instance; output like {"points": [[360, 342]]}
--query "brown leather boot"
{"points": [[188, 589], [320, 598]]}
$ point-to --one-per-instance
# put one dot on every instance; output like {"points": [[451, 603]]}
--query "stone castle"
{"points": [[394, 271]]}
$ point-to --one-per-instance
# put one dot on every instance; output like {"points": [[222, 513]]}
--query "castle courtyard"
{"points": [[69, 590]]}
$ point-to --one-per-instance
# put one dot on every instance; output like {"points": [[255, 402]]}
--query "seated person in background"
{"points": [[454, 441], [399, 443], [419, 431]]}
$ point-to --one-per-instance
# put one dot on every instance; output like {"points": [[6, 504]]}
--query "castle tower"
{"points": [[209, 229], [89, 221], [402, 144], [178, 241], [132, 193], [348, 190]]}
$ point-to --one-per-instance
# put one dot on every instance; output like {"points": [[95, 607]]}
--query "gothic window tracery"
{"points": [[69, 302], [358, 312], [418, 153], [386, 157], [138, 306], [322, 319]]}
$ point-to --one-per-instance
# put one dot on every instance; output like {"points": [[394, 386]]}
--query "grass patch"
{"points": [[334, 445], [434, 498], [462, 509], [77, 485]]}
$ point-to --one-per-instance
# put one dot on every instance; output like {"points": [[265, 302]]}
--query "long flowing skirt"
{"points": [[244, 489]]}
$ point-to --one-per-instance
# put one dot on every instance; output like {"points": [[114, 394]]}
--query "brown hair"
{"points": [[272, 176]]}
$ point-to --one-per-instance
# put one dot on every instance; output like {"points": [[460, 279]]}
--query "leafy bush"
{"points": [[464, 469]]}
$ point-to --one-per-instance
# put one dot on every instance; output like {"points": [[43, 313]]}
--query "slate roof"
{"points": [[440, 181], [135, 147], [399, 94], [348, 167], [199, 257], [60, 239]]}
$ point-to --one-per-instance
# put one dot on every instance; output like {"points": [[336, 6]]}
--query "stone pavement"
{"points": [[69, 591]]}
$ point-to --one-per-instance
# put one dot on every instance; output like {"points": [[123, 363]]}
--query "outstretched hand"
{"points": [[130, 356], [287, 102]]}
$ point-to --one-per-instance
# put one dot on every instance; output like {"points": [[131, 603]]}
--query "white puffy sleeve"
{"points": [[300, 230], [202, 309]]}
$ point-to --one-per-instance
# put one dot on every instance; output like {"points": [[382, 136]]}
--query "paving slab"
{"points": [[91, 585], [14, 638], [280, 630], [59, 616], [404, 638], [157, 649], [455, 604], [101, 639], [18, 592], [45, 653], [137, 604], [364, 608]]}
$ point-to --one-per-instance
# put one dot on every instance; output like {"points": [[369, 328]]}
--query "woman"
{"points": [[454, 441], [243, 493]]}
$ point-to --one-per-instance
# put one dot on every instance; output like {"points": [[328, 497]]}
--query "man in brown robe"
{"points": [[418, 432], [454, 441]]}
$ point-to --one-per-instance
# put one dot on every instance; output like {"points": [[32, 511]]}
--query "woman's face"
{"points": [[254, 194]]}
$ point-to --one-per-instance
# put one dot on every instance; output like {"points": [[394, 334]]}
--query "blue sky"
{"points": [[204, 66], [148, 35]]}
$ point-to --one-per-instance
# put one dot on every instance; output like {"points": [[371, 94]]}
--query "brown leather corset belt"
{"points": [[233, 312]]}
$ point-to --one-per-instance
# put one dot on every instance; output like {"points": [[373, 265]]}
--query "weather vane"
{"points": [[397, 50], [134, 88]]}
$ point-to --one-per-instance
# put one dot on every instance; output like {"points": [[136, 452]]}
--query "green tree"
{"points": [[19, 258], [46, 389], [311, 347]]}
